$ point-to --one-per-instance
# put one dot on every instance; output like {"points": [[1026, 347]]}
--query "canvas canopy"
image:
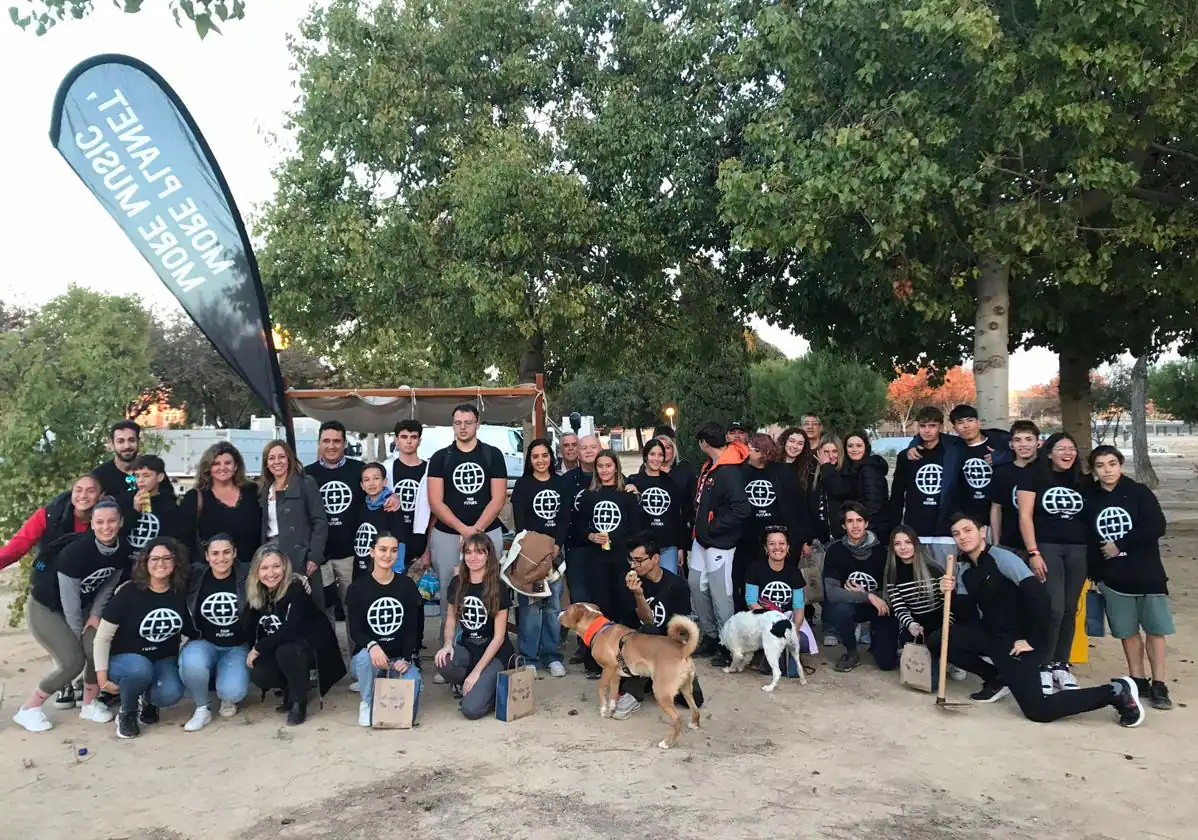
{"points": [[377, 410]]}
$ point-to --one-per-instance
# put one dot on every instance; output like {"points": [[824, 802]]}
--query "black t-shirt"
{"points": [[541, 506], [575, 482], [84, 561], [1004, 491], [778, 586], [922, 482], [149, 623], [476, 625], [116, 483], [1058, 514], [467, 478], [385, 614], [661, 500], [975, 479], [218, 612], [841, 565], [242, 522], [161, 520], [667, 597], [376, 522], [341, 493], [614, 512], [405, 481]]}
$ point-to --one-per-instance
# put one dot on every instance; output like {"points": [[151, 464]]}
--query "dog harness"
{"points": [[624, 672]]}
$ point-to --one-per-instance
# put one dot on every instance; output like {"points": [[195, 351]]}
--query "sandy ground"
{"points": [[849, 756]]}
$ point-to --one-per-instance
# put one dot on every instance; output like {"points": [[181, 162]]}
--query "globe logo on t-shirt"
{"points": [[655, 501], [468, 478], [863, 579], [607, 516], [1063, 502], [146, 529], [474, 613], [407, 490], [364, 539], [385, 616], [546, 504], [95, 580], [977, 473], [929, 478], [658, 611], [159, 625], [1015, 497], [220, 609], [779, 593], [337, 497], [578, 499], [269, 624], [760, 492], [1113, 523]]}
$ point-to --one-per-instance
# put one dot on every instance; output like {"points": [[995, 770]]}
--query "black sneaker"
{"points": [[104, 698], [848, 660], [1127, 702], [297, 714], [990, 693], [592, 674], [147, 712], [65, 699], [126, 725], [456, 688], [707, 647], [1158, 695], [1143, 685]]}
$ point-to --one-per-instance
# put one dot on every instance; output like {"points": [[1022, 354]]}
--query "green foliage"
{"points": [[713, 385], [634, 400], [1173, 388], [43, 15], [846, 394], [81, 363]]}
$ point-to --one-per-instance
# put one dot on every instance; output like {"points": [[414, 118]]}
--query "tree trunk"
{"points": [[532, 362], [1145, 474], [1076, 401], [640, 438], [991, 339]]}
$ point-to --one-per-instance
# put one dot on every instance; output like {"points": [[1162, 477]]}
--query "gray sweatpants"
{"points": [[1066, 578], [710, 580], [71, 655], [480, 700], [445, 552]]}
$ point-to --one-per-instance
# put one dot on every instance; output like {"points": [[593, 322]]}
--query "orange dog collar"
{"points": [[597, 626]]}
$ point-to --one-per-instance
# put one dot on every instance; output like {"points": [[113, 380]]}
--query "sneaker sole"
{"points": [[1131, 686], [998, 695], [625, 715]]}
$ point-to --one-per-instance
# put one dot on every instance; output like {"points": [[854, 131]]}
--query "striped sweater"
{"points": [[914, 603]]}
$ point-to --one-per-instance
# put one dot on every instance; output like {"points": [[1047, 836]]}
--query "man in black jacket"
{"points": [[721, 508], [1001, 612]]}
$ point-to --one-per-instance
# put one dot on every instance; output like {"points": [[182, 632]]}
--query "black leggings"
{"points": [[285, 667], [968, 643]]}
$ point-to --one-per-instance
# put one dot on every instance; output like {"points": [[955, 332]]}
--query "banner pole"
{"points": [[288, 418]]}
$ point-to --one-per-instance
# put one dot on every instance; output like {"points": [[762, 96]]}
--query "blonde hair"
{"points": [[835, 441], [256, 593]]}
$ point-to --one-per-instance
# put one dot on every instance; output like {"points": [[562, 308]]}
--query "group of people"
{"points": [[151, 601]]}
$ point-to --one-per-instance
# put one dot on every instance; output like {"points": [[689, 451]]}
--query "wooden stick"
{"points": [[945, 624]]}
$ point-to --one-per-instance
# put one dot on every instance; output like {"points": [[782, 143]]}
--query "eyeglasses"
{"points": [[633, 560], [464, 424], [160, 558]]}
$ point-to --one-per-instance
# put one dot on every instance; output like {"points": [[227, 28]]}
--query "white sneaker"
{"points": [[363, 714], [1063, 678], [199, 720], [438, 679], [626, 706], [32, 720], [557, 669], [354, 687], [956, 674], [96, 711], [227, 708], [1047, 684]]}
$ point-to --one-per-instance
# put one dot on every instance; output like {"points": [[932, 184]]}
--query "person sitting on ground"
{"points": [[137, 642], [853, 570], [659, 595], [1125, 523], [911, 586], [216, 596], [290, 633], [1002, 634], [380, 616], [476, 647]]}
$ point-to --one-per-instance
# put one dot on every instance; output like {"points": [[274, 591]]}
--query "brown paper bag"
{"points": [[813, 575], [915, 667], [513, 694], [394, 702]]}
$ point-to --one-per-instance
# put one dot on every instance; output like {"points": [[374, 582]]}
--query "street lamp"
{"points": [[670, 416]]}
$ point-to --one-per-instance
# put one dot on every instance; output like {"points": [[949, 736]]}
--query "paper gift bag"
{"points": [[513, 694], [394, 702], [916, 669]]}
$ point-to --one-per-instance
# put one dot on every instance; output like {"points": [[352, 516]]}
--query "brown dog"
{"points": [[623, 652]]}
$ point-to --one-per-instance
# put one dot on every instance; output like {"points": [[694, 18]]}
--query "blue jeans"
{"points": [[365, 672], [538, 631], [669, 558], [200, 658], [135, 675]]}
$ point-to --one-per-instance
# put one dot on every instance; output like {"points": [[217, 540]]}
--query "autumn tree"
{"points": [[908, 392]]}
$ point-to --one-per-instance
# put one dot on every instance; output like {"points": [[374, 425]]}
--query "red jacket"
{"points": [[24, 540]]}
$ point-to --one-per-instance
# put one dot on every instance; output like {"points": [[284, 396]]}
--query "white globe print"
{"points": [[546, 504], [220, 609], [929, 479], [95, 580], [655, 501], [364, 539], [385, 616], [160, 624], [977, 473], [607, 516], [146, 529], [1015, 497], [474, 613], [407, 490], [1114, 523], [268, 624], [658, 610], [337, 497], [760, 492], [578, 500], [863, 579], [778, 592], [468, 478], [1062, 501]]}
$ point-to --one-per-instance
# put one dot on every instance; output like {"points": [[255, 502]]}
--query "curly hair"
{"points": [[491, 581], [805, 466], [204, 468], [141, 564]]}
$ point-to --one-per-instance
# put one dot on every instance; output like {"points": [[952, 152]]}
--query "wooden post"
{"points": [[538, 408]]}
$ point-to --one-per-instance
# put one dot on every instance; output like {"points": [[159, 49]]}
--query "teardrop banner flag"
{"points": [[131, 140]]}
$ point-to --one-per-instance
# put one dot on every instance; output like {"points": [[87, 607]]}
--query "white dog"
{"points": [[773, 632]]}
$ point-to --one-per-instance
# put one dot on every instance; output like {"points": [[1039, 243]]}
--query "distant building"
{"points": [[161, 415]]}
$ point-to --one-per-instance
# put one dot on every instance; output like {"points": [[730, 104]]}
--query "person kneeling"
{"points": [[1002, 612], [477, 605], [854, 567], [381, 612]]}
